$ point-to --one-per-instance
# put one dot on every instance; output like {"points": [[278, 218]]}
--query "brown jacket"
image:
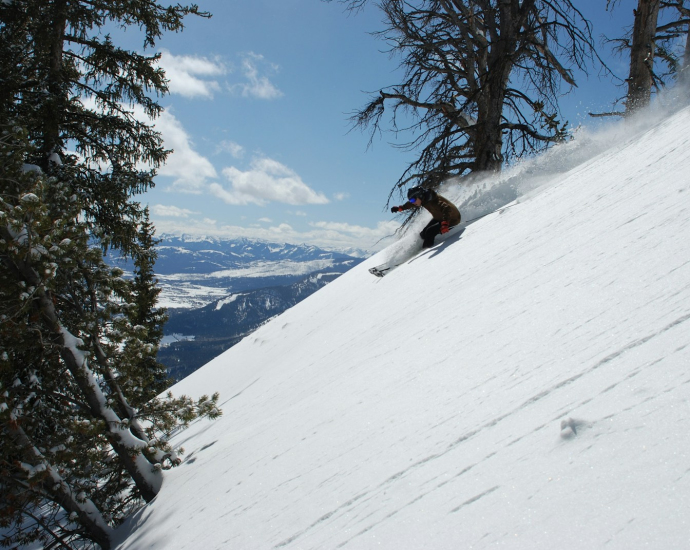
{"points": [[439, 207]]}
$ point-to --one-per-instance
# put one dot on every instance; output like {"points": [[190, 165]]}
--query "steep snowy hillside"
{"points": [[525, 385]]}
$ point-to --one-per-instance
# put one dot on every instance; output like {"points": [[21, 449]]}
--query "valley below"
{"points": [[217, 291]]}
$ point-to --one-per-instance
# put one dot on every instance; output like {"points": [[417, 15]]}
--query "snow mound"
{"points": [[524, 385]]}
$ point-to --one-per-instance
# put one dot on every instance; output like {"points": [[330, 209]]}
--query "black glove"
{"points": [[396, 209]]}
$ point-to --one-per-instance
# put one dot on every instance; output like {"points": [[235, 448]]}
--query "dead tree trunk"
{"points": [[641, 75], [685, 67]]}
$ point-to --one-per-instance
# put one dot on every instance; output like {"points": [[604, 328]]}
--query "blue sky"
{"points": [[258, 119]]}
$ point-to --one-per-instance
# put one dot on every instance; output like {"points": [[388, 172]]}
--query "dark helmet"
{"points": [[418, 193]]}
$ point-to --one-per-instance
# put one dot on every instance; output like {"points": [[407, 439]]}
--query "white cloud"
{"points": [[186, 74], [266, 181], [194, 76], [341, 196], [235, 149], [258, 85], [190, 169], [323, 234], [282, 229], [171, 211], [266, 220], [382, 230]]}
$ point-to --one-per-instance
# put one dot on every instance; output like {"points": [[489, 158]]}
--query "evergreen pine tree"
{"points": [[84, 437], [147, 320]]}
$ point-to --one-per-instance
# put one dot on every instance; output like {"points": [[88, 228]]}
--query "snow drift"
{"points": [[524, 385]]}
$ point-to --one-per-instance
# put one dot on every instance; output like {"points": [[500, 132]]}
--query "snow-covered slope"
{"points": [[424, 410]]}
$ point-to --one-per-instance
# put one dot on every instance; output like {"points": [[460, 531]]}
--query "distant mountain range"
{"points": [[207, 255], [218, 291], [194, 272]]}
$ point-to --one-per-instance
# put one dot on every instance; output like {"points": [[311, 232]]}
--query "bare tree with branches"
{"points": [[653, 43], [641, 43], [668, 36], [481, 80], [642, 76]]}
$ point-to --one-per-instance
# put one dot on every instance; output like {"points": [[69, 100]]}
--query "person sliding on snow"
{"points": [[444, 213]]}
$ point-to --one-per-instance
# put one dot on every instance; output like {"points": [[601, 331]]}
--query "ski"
{"points": [[381, 270]]}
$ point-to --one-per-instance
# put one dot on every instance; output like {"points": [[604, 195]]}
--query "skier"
{"points": [[444, 213]]}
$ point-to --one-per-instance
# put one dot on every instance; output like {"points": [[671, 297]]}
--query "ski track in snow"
{"points": [[434, 408]]}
